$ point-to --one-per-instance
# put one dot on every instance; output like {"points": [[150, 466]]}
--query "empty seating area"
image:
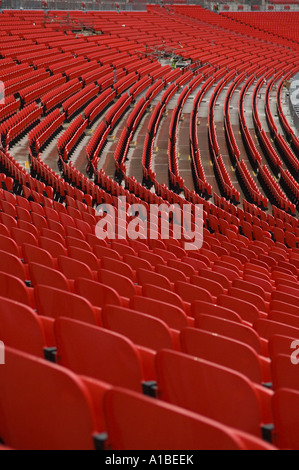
{"points": [[121, 342]]}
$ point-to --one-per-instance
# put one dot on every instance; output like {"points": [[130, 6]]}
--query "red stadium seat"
{"points": [[208, 387], [54, 303], [142, 329], [27, 423], [122, 365], [122, 407]]}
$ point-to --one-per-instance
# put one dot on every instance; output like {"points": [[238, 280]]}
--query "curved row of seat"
{"points": [[292, 138]]}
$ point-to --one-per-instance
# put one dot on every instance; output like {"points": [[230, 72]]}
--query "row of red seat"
{"points": [[274, 190], [101, 407], [122, 149], [78, 271], [147, 154], [117, 109], [9, 62], [232, 144], [44, 131], [13, 86], [77, 101], [290, 186], [51, 180], [46, 62], [15, 71], [140, 86], [96, 143], [11, 105], [34, 92], [35, 55], [290, 158], [274, 160], [219, 167], [254, 194], [55, 97], [67, 64], [77, 183], [67, 222], [69, 139], [252, 191], [15, 49], [199, 177], [8, 43], [176, 181], [124, 83], [98, 105], [167, 78], [128, 132], [18, 123], [78, 70], [267, 22], [287, 129], [91, 76], [251, 214], [253, 153]]}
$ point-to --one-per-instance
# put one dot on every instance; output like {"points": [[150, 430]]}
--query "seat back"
{"points": [[246, 310], [163, 295], [190, 293], [8, 245], [34, 254], [54, 247], [55, 303], [40, 274], [21, 328], [249, 297], [286, 318], [285, 370], [43, 406], [285, 412], [199, 307], [280, 344], [96, 293], [208, 389], [173, 316], [124, 286], [118, 267], [213, 287], [150, 277], [172, 274], [215, 276], [11, 264], [142, 329], [231, 329], [266, 328], [98, 353], [222, 350], [86, 257], [21, 236], [287, 298], [72, 268], [11, 287], [138, 422]]}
